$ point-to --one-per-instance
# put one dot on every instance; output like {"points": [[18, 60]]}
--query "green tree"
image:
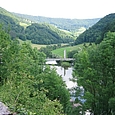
{"points": [[4, 43], [94, 68], [72, 53], [55, 86], [21, 70]]}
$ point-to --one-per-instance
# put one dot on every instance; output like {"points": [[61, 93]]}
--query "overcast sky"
{"points": [[79, 9]]}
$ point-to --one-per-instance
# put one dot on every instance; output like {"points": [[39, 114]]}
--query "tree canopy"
{"points": [[47, 34], [26, 85], [95, 71]]}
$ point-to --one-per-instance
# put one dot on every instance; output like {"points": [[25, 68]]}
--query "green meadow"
{"points": [[60, 52], [33, 45]]}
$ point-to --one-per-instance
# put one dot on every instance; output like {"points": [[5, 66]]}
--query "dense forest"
{"points": [[47, 34], [26, 87], [65, 24], [15, 30], [94, 70], [98, 30]]}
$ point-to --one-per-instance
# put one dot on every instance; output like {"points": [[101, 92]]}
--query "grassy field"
{"points": [[79, 31], [33, 45], [60, 52], [37, 46], [24, 24]]}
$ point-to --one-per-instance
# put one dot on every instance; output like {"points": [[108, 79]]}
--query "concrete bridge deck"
{"points": [[59, 59]]}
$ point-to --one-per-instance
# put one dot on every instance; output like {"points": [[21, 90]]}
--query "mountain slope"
{"points": [[37, 33], [97, 31], [47, 34], [10, 23], [66, 24], [14, 29], [16, 18], [9, 14]]}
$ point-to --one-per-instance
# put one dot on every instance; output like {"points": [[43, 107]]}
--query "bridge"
{"points": [[59, 59], [56, 61]]}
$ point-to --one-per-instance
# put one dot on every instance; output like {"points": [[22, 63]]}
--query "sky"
{"points": [[72, 9]]}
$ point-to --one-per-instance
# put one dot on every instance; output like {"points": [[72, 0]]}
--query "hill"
{"points": [[16, 18], [65, 24], [98, 30], [14, 29], [11, 23], [36, 33], [47, 34], [6, 13]]}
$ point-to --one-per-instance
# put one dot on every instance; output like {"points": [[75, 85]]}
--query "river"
{"points": [[66, 75]]}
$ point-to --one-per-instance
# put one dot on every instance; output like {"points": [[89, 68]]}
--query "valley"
{"points": [[29, 86]]}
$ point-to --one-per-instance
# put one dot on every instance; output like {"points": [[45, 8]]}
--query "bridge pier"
{"points": [[64, 54]]}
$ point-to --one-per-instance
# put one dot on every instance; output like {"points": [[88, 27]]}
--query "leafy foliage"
{"points": [[55, 86], [25, 85], [94, 69], [47, 50], [65, 64]]}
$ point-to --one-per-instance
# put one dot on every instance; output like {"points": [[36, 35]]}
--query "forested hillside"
{"points": [[66, 24], [97, 31], [6, 13], [37, 33], [47, 34], [11, 26], [16, 18]]}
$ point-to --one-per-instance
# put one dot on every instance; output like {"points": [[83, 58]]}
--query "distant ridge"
{"points": [[66, 24], [44, 32], [98, 30], [36, 33]]}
